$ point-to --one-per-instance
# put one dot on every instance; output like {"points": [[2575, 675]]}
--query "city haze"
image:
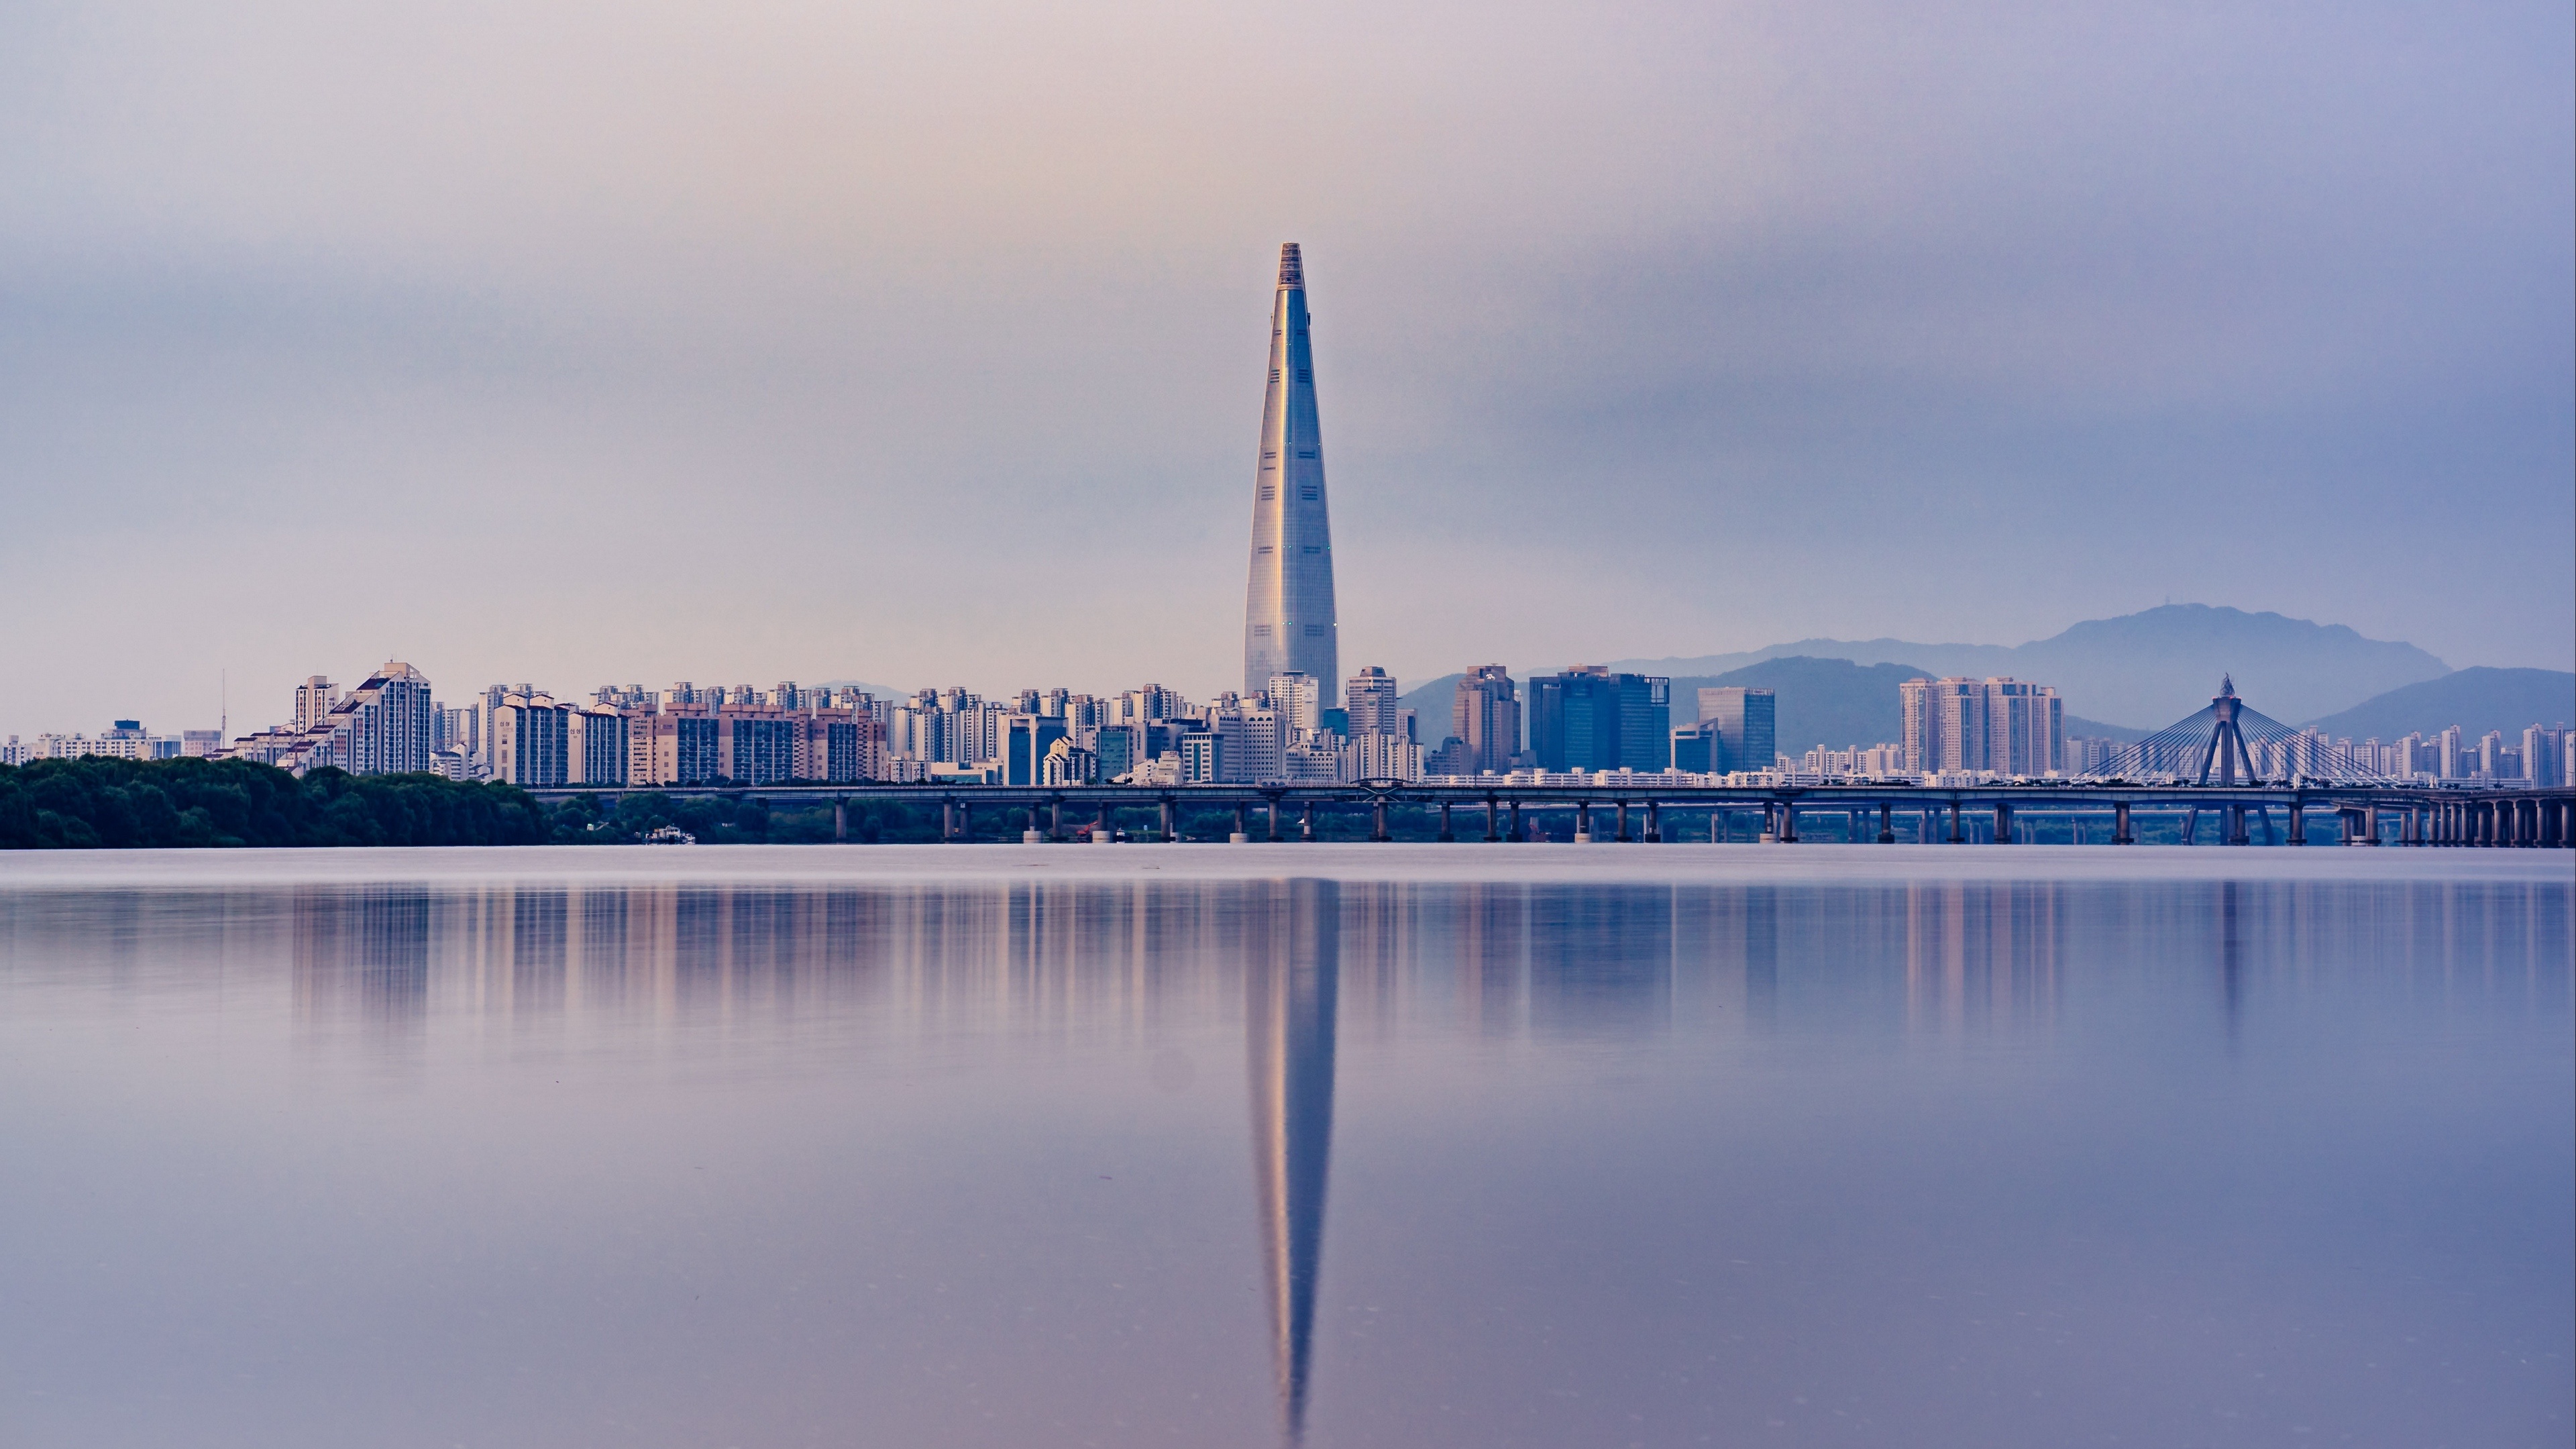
{"points": [[588, 344]]}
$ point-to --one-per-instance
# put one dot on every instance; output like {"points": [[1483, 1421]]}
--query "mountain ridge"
{"points": [[2143, 670], [2477, 699]]}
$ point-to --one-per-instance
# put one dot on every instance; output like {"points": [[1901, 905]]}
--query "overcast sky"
{"points": [[925, 344]]}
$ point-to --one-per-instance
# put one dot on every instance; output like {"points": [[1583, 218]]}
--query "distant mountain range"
{"points": [[2477, 700], [1820, 701], [2145, 670]]}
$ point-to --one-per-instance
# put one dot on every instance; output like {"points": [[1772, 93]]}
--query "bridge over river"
{"points": [[1636, 809]]}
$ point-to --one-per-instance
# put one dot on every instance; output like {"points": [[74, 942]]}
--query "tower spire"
{"points": [[1288, 619]]}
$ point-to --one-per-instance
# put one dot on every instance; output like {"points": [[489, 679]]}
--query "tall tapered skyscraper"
{"points": [[1288, 624]]}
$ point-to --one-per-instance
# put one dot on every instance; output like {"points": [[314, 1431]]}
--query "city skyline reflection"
{"points": [[1501, 1154]]}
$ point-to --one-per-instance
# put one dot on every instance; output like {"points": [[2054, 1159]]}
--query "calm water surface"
{"points": [[1243, 1145]]}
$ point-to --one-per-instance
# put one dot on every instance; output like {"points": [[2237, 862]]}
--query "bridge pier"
{"points": [[1623, 821], [2298, 821], [1242, 824], [1788, 823], [1583, 822], [1306, 831], [2003, 823], [1654, 824], [2235, 818], [1958, 831], [840, 821], [1446, 834], [1493, 812], [1031, 836], [1170, 834], [1377, 820], [2120, 832], [1519, 836], [1273, 813], [1886, 823]]}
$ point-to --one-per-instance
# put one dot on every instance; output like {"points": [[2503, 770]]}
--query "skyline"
{"points": [[1672, 334], [259, 715]]}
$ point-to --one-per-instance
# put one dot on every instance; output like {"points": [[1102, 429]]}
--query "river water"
{"points": [[1209, 1145]]}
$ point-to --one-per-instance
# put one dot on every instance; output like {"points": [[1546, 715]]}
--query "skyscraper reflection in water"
{"points": [[962, 1160], [1292, 971]]}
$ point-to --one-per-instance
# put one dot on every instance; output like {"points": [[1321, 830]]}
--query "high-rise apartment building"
{"points": [[595, 747], [2025, 728], [1288, 618], [531, 740], [1299, 699], [1998, 725], [1485, 718], [313, 700], [1742, 726], [673, 747], [2544, 755]]}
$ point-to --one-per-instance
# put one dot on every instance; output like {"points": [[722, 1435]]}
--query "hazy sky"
{"points": [[924, 344]]}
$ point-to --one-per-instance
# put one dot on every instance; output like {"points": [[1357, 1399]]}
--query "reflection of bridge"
{"points": [[1635, 807]]}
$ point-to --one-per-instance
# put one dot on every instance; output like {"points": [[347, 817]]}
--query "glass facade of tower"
{"points": [[1288, 620]]}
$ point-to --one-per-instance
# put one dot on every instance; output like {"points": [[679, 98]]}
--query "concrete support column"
{"points": [[2003, 823], [840, 821], [1623, 822], [1307, 830], [965, 823], [1274, 819], [1242, 824], [2235, 819], [1170, 833], [2372, 827], [1519, 837], [1853, 828], [2298, 821], [1031, 836], [1055, 820], [1377, 819], [1493, 813], [1886, 823], [1654, 823], [2120, 832], [1958, 831], [1788, 823], [1583, 822], [1446, 834]]}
